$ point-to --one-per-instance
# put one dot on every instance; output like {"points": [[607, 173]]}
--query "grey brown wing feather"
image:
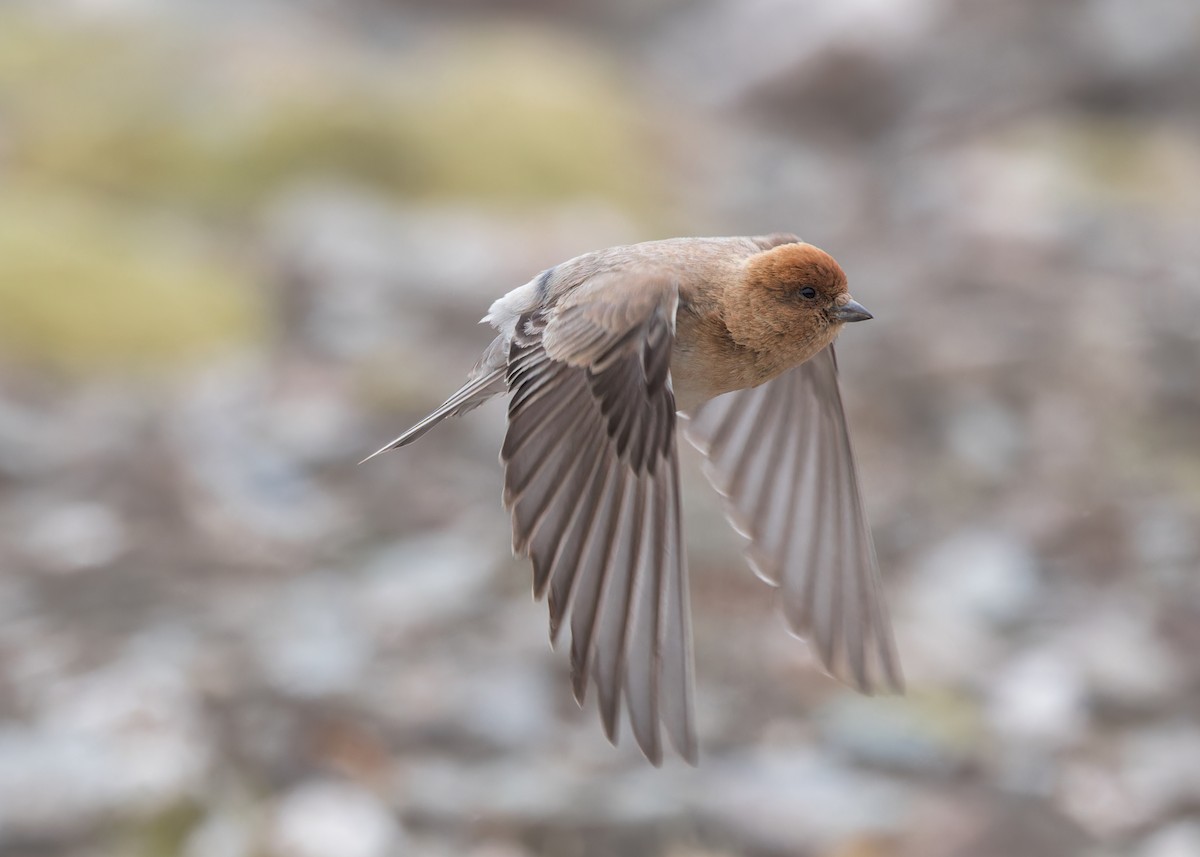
{"points": [[780, 454], [591, 480]]}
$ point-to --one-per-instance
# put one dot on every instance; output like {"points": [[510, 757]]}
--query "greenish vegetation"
{"points": [[130, 154], [503, 116], [161, 834], [86, 286]]}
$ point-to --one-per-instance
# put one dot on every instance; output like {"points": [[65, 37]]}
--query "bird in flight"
{"points": [[598, 356]]}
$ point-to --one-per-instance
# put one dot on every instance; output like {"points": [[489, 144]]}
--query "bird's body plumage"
{"points": [[597, 355]]}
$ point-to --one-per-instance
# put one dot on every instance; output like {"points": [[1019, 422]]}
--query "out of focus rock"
{"points": [[27, 444], [986, 437], [250, 491], [333, 819], [497, 849], [777, 800], [1023, 826], [1039, 698], [786, 799], [1151, 778], [357, 277], [1093, 795], [1123, 660], [510, 708], [728, 49], [1157, 767], [221, 834], [924, 731], [310, 641], [979, 575], [1166, 542], [1181, 839], [136, 716], [414, 585], [312, 419], [965, 590], [1146, 37], [531, 791], [73, 537]]}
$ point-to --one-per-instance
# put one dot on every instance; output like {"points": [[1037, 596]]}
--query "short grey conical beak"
{"points": [[851, 311]]}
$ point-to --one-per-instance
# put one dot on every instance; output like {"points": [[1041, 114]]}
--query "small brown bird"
{"points": [[597, 355]]}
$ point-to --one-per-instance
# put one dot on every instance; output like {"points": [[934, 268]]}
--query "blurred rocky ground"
{"points": [[244, 244]]}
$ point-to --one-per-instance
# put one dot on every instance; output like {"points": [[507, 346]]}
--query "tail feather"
{"points": [[487, 380]]}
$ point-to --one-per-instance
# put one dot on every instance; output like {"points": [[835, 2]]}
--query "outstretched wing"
{"points": [[780, 454], [592, 482]]}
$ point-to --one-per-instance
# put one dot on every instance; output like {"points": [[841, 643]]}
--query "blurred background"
{"points": [[243, 244]]}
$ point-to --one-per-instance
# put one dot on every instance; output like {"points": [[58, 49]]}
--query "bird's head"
{"points": [[792, 297]]}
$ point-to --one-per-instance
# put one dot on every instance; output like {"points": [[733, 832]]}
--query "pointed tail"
{"points": [[471, 395]]}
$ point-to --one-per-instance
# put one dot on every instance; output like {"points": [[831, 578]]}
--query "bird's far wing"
{"points": [[592, 482], [780, 454]]}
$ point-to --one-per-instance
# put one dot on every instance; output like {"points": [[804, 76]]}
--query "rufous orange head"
{"points": [[793, 297]]}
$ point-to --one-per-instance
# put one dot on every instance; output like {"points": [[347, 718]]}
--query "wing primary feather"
{"points": [[549, 457], [675, 637], [565, 571], [548, 545], [643, 657], [755, 466], [772, 496], [711, 422], [873, 628], [773, 508], [781, 455], [556, 516], [812, 589], [857, 630], [589, 604], [734, 415], [529, 418], [876, 619], [539, 503], [802, 440], [612, 627], [728, 446], [832, 569]]}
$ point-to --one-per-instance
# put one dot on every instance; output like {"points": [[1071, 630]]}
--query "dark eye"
{"points": [[808, 292]]}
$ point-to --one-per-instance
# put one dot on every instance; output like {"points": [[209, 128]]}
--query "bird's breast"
{"points": [[706, 362]]}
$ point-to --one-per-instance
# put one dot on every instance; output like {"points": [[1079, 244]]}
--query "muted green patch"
{"points": [[513, 113], [930, 728], [506, 115], [162, 834], [88, 286], [1116, 161], [130, 152]]}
